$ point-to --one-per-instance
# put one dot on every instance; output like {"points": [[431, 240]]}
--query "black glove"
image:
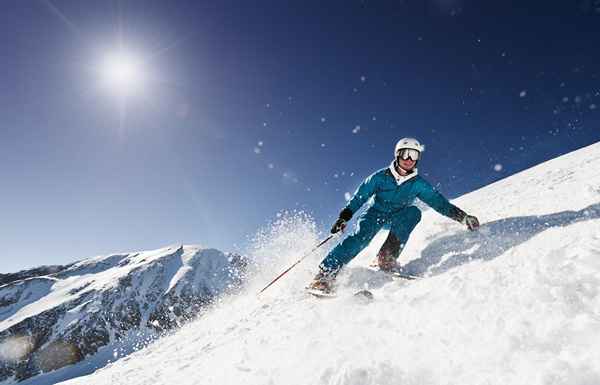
{"points": [[340, 224], [471, 221]]}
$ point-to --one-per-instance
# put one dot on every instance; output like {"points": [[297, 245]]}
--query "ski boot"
{"points": [[388, 254], [323, 282]]}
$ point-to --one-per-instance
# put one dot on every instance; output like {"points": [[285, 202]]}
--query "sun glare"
{"points": [[122, 73]]}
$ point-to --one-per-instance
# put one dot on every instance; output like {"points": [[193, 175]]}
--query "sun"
{"points": [[122, 73]]}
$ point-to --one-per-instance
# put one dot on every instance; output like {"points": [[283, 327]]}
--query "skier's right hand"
{"points": [[339, 225]]}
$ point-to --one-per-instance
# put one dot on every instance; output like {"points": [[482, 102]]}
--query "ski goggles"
{"points": [[409, 153]]}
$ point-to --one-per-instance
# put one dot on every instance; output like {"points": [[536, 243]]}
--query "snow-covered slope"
{"points": [[516, 303], [60, 315]]}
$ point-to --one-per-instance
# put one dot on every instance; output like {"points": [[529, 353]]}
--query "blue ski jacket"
{"points": [[392, 195]]}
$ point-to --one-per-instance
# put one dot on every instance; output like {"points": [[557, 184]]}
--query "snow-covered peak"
{"points": [[103, 273], [100, 301]]}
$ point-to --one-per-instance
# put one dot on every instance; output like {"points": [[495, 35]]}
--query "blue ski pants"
{"points": [[400, 223]]}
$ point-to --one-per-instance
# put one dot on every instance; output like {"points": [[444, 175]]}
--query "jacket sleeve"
{"points": [[428, 194], [363, 193]]}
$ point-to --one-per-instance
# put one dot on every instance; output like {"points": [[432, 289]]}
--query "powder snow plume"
{"points": [[278, 245]]}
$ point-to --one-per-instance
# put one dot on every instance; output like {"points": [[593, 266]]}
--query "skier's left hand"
{"points": [[339, 225], [471, 221]]}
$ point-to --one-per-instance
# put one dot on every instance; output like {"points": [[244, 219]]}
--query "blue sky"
{"points": [[250, 108]]}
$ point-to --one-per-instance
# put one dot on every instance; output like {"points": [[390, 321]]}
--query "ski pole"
{"points": [[297, 262]]}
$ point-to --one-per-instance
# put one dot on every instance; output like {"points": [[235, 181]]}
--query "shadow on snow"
{"points": [[492, 240]]}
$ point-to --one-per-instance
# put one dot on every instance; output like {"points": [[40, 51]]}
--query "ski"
{"points": [[320, 293], [366, 294], [395, 273]]}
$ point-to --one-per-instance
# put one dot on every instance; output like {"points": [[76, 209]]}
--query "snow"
{"points": [[516, 303], [33, 290], [182, 267]]}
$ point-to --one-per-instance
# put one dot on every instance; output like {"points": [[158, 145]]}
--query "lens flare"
{"points": [[15, 348], [56, 355]]}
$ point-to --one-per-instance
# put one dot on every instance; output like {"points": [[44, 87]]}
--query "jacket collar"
{"points": [[399, 178]]}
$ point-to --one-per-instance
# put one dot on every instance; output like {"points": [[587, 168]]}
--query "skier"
{"points": [[394, 190]]}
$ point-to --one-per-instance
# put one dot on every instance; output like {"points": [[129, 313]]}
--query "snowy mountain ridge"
{"points": [[48, 321]]}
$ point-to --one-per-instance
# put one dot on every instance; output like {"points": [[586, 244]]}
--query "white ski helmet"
{"points": [[411, 143]]}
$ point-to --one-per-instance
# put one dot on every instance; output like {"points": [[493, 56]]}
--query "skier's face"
{"points": [[406, 164]]}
